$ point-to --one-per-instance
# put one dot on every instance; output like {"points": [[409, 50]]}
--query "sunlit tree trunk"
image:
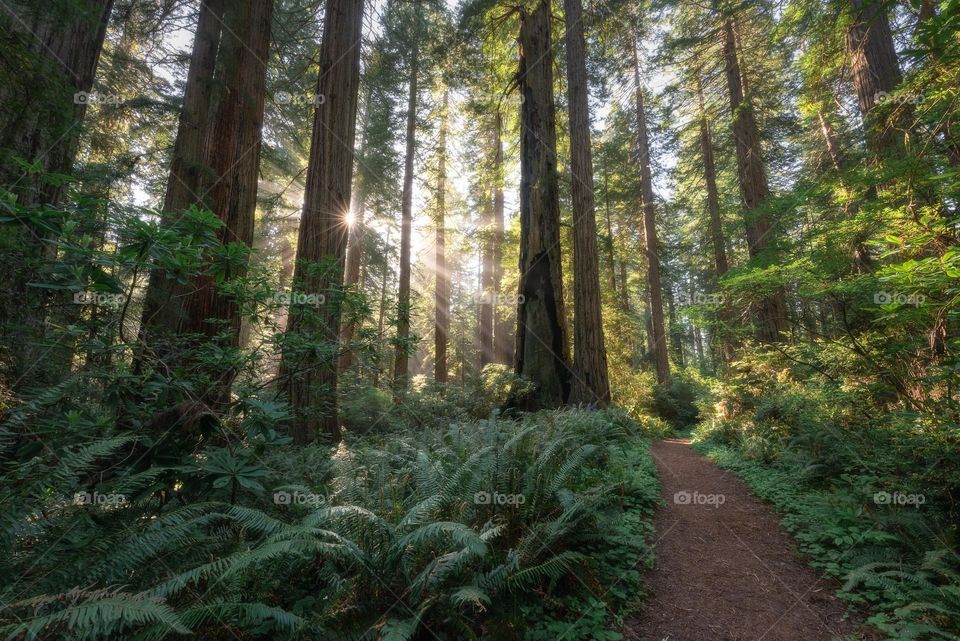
{"points": [[310, 374], [442, 286], [875, 70], [351, 274], [401, 362], [591, 384], [658, 336], [488, 295], [503, 345], [541, 341], [770, 312]]}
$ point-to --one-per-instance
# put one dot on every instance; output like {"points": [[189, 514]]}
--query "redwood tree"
{"points": [[309, 373], [657, 330], [591, 384], [541, 341], [770, 312]]}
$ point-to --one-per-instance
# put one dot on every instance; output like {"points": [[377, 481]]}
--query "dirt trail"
{"points": [[725, 570]]}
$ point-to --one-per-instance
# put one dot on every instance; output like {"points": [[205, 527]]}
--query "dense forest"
{"points": [[480, 319]]}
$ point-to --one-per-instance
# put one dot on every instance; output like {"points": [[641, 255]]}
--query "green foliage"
{"points": [[439, 527]]}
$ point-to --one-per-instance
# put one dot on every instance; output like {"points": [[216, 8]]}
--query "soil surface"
{"points": [[724, 568]]}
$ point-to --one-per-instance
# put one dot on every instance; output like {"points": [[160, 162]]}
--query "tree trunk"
{"points": [[442, 294], [591, 384], [713, 209], [713, 195], [488, 295], [771, 311], [876, 72], [43, 108], [608, 245], [46, 72], [310, 375], [163, 309], [658, 337], [541, 341], [351, 275], [401, 362], [501, 324], [225, 178]]}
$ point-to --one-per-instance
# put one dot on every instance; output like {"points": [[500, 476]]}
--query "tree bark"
{"points": [[541, 340], [770, 312], [591, 384], [310, 374], [442, 286], [163, 308], [401, 362], [43, 109], [46, 73], [488, 294], [658, 337], [351, 275], [501, 324], [876, 72]]}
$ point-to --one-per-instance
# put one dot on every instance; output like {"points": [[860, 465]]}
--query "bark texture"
{"points": [[876, 72], [503, 345], [541, 343], [658, 338], [401, 365], [770, 312], [310, 374], [442, 285], [591, 384]]}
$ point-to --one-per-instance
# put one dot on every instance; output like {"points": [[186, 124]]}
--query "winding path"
{"points": [[725, 570]]}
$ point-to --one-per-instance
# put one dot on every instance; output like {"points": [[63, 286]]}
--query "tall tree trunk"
{"points": [[608, 244], [401, 362], [713, 194], [442, 294], [713, 210], [351, 274], [488, 295], [233, 154], [46, 73], [56, 50], [225, 177], [541, 341], [770, 312], [163, 309], [624, 292], [310, 375], [591, 384], [658, 338], [876, 72], [501, 324]]}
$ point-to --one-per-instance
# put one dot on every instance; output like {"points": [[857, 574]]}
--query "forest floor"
{"points": [[725, 570]]}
